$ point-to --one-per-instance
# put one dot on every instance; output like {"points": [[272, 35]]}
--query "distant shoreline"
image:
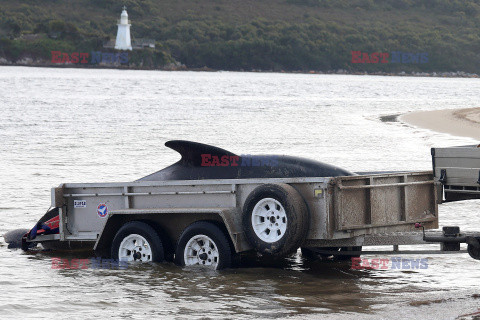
{"points": [[179, 67], [458, 122]]}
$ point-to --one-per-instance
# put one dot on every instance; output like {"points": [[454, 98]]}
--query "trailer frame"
{"points": [[349, 211]]}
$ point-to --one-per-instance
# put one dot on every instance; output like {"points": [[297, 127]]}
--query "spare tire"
{"points": [[275, 219]]}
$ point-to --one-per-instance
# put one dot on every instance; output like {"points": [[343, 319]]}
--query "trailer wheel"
{"points": [[473, 248], [275, 219], [203, 244], [137, 241]]}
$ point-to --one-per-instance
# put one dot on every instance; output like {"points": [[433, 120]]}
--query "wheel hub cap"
{"points": [[134, 247], [269, 220], [201, 250]]}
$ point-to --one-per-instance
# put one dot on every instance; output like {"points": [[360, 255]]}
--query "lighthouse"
{"points": [[123, 41]]}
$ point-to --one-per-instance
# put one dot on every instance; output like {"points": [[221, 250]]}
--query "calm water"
{"points": [[70, 125]]}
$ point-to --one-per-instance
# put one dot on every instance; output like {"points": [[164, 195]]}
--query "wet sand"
{"points": [[458, 122]]}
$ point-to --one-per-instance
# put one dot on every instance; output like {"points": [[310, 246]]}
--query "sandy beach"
{"points": [[458, 122]]}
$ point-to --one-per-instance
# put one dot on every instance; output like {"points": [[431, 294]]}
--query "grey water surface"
{"points": [[79, 125]]}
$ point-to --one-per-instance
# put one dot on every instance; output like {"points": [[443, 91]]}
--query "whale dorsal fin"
{"points": [[191, 151]]}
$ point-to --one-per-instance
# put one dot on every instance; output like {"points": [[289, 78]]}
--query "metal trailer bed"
{"points": [[349, 211]]}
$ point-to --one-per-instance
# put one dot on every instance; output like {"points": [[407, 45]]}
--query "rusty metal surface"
{"points": [[390, 200]]}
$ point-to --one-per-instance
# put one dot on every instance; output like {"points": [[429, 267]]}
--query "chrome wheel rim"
{"points": [[134, 247], [201, 250], [269, 220]]}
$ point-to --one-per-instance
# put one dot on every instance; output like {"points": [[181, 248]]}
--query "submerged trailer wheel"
{"points": [[275, 219], [137, 241], [203, 244]]}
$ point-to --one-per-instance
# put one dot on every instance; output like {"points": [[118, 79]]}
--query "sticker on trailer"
{"points": [[318, 193], [102, 210], [79, 203]]}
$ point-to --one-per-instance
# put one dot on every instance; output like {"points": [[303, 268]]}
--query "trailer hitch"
{"points": [[451, 239]]}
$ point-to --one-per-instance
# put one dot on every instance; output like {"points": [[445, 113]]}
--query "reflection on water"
{"points": [[70, 125], [257, 287]]}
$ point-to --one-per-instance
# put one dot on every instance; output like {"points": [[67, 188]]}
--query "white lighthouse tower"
{"points": [[123, 41]]}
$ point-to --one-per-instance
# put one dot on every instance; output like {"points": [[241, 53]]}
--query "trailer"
{"points": [[458, 169], [206, 221]]}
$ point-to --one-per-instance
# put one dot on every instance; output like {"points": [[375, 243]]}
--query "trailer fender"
{"points": [[105, 239]]}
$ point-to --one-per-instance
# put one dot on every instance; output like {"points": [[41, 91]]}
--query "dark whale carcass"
{"points": [[201, 161], [14, 238]]}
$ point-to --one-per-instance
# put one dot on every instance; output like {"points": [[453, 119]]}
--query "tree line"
{"points": [[447, 30]]}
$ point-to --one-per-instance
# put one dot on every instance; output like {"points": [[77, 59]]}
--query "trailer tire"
{"points": [[145, 243], [207, 246], [473, 248], [275, 219]]}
